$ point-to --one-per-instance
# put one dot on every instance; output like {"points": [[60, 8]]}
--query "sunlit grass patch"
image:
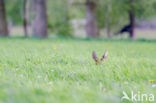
{"points": [[63, 71]]}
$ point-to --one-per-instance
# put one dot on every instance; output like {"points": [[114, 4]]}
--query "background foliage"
{"points": [[109, 13]]}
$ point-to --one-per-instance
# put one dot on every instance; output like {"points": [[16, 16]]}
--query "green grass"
{"points": [[32, 71]]}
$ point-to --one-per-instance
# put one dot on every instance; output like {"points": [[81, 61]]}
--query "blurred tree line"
{"points": [[46, 16]]}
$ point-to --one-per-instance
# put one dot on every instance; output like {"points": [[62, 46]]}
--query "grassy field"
{"points": [[62, 70]]}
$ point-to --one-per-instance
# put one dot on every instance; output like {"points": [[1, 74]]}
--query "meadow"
{"points": [[63, 71]]}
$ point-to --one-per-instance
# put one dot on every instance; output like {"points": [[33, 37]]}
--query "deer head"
{"points": [[95, 58]]}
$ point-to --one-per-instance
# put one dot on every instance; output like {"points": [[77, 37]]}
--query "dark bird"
{"points": [[126, 28]]}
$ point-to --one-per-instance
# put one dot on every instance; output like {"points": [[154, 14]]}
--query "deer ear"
{"points": [[104, 56], [95, 58]]}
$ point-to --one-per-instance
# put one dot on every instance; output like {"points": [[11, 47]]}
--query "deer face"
{"points": [[95, 58]]}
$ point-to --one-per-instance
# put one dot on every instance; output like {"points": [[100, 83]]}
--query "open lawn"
{"points": [[62, 70]]}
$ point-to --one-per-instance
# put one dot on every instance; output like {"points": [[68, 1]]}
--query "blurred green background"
{"points": [[68, 17]]}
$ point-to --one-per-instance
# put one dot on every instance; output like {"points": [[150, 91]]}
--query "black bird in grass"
{"points": [[127, 28]]}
